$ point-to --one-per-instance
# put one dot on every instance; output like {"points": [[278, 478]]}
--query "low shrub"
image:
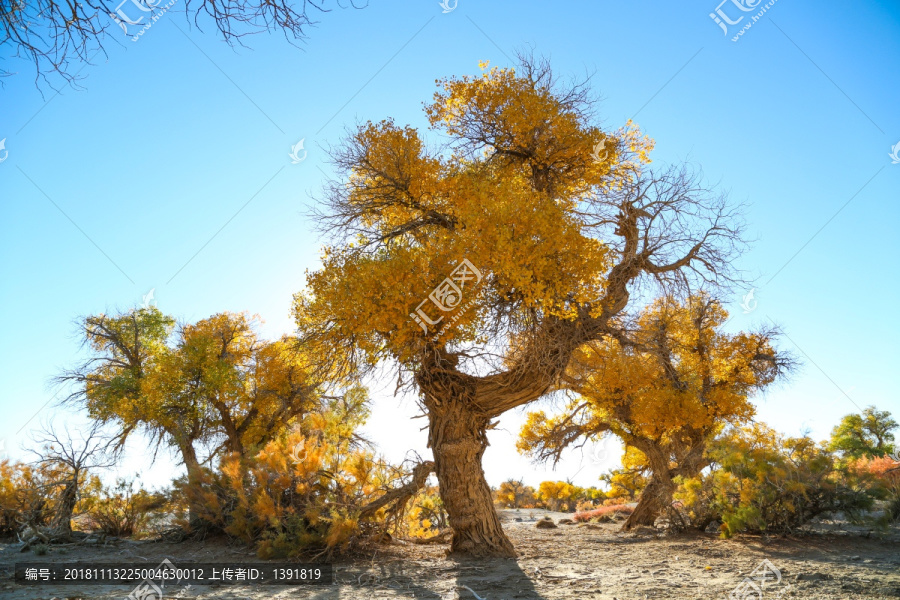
{"points": [[620, 501], [29, 495], [604, 513], [884, 483], [121, 511], [309, 493], [760, 481]]}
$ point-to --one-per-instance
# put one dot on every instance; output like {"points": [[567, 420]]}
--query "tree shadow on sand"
{"points": [[497, 579]]}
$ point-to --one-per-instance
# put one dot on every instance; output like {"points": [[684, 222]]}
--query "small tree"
{"points": [[559, 495], [65, 463], [869, 434], [666, 386], [513, 493], [212, 387]]}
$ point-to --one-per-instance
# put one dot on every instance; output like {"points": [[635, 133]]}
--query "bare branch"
{"points": [[59, 37]]}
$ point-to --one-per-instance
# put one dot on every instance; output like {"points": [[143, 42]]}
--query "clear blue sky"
{"points": [[171, 171]]}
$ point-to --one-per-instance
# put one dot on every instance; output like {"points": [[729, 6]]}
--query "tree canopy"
{"points": [[869, 434], [211, 386]]}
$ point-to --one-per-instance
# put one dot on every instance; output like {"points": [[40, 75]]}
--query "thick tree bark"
{"points": [[458, 438], [460, 408], [195, 485], [654, 501]]}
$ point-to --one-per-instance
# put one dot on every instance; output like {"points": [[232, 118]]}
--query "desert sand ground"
{"points": [[570, 562]]}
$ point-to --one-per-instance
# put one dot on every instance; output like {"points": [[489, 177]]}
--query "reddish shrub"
{"points": [[604, 513]]}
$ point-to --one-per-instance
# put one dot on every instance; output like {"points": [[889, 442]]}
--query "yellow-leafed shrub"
{"points": [[302, 493], [760, 481], [425, 516]]}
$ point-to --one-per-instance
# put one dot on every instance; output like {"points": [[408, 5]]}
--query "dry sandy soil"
{"points": [[571, 562]]}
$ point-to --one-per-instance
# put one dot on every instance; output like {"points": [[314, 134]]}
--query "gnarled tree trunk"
{"points": [[460, 409], [654, 501], [458, 438], [61, 524]]}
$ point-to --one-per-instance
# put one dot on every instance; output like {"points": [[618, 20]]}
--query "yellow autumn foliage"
{"points": [[421, 213], [762, 481], [674, 384], [301, 494], [425, 517]]}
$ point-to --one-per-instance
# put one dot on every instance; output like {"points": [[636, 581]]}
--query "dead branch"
{"points": [[401, 495]]}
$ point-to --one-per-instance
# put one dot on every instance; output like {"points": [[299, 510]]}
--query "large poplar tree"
{"points": [[479, 267]]}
